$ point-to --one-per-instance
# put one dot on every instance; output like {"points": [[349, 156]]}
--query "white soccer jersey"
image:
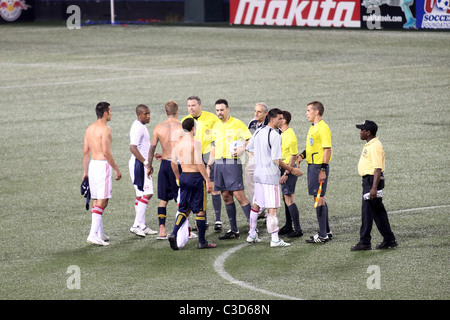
{"points": [[266, 148], [140, 137]]}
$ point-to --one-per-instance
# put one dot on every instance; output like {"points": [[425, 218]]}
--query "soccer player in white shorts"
{"points": [[266, 143], [138, 166]]}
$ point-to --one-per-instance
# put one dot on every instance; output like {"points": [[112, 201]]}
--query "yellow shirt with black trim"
{"points": [[372, 157], [224, 133], [318, 138], [288, 145], [203, 130]]}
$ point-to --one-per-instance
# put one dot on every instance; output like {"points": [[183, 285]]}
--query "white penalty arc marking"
{"points": [[220, 261], [220, 269]]}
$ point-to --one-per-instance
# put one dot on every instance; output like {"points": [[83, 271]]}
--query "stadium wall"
{"points": [[371, 14]]}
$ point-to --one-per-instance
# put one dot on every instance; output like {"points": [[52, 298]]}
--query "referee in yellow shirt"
{"points": [[318, 154], [204, 122], [289, 151], [371, 168], [230, 136]]}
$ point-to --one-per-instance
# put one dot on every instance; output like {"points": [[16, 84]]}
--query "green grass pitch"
{"points": [[51, 79]]}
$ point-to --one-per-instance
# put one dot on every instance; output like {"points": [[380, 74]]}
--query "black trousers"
{"points": [[373, 210]]}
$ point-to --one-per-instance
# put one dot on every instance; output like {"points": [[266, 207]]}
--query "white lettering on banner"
{"points": [[313, 13]]}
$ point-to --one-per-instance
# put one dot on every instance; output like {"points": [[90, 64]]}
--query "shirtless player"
{"points": [[97, 164], [167, 134], [194, 183]]}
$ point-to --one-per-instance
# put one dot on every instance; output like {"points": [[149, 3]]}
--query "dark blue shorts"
{"points": [[289, 186], [192, 192], [167, 183], [313, 180]]}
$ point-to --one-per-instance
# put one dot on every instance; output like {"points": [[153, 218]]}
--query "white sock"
{"points": [[272, 226], [253, 221], [139, 220], [96, 224]]}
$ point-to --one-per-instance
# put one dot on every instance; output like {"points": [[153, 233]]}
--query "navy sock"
{"points": [[201, 227], [162, 215], [295, 216], [217, 205], [322, 220], [246, 210], [181, 217], [231, 211]]}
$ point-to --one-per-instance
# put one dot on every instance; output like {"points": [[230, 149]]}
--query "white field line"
{"points": [[220, 261], [220, 269]]}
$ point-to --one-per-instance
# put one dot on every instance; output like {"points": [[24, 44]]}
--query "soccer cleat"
{"points": [[285, 230], [218, 226], [317, 239], [253, 240], [105, 238], [206, 245], [172, 241], [97, 240], [386, 245], [361, 247], [137, 231], [149, 231], [279, 243], [230, 235]]}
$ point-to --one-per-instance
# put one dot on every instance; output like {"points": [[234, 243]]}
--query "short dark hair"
{"points": [[317, 106], [273, 113], [195, 98], [188, 124], [287, 116], [141, 108], [101, 108], [220, 101]]}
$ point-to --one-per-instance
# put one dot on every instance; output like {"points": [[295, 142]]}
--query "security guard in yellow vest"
{"points": [[371, 168]]}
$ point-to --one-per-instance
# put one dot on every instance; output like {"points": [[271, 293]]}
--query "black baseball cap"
{"points": [[368, 125]]}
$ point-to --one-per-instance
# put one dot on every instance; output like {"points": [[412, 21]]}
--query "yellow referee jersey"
{"points": [[288, 145], [372, 157], [318, 138], [225, 133], [203, 132]]}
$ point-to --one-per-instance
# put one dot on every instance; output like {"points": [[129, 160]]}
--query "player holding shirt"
{"points": [[318, 154], [194, 184], [97, 164], [139, 167]]}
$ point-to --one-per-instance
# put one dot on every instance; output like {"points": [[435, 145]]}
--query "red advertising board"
{"points": [[311, 13]]}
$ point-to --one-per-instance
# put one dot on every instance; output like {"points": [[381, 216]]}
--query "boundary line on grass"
{"points": [[219, 263]]}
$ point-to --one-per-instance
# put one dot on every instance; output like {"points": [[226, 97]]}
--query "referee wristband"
{"points": [[324, 167]]}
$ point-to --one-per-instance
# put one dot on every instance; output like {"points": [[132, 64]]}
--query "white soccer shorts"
{"points": [[267, 195], [100, 179]]}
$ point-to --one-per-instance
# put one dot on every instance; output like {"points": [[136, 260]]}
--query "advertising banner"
{"points": [[310, 13], [391, 14], [433, 14]]}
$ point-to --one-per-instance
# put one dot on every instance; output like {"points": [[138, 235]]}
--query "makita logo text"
{"points": [[312, 13]]}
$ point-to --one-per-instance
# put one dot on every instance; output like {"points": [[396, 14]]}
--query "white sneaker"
{"points": [[97, 240], [279, 243], [192, 235], [253, 240], [137, 231], [149, 231]]}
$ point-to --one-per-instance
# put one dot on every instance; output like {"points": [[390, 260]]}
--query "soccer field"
{"points": [[51, 79]]}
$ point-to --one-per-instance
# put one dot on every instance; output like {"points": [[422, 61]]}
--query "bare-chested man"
{"points": [[194, 184], [167, 134], [97, 164]]}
